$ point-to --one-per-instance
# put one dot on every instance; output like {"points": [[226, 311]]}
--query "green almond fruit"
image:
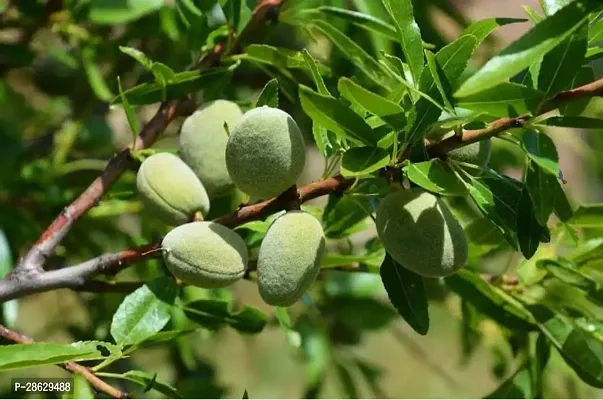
{"points": [[418, 230], [203, 140], [205, 254], [289, 258], [169, 188], [265, 153]]}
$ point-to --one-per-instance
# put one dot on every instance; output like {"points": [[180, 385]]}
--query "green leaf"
{"points": [[563, 210], [439, 78], [406, 291], [580, 349], [588, 216], [529, 230], [550, 7], [95, 76], [518, 386], [497, 199], [534, 15], [483, 237], [344, 214], [215, 314], [567, 272], [138, 56], [482, 29], [584, 76], [542, 188], [130, 114], [279, 57], [453, 60], [362, 20], [505, 100], [437, 177], [334, 115], [541, 150], [574, 122], [144, 312], [490, 300], [147, 380], [162, 337], [361, 59], [320, 133], [559, 67], [121, 11], [17, 356], [283, 317], [387, 110], [409, 34], [269, 95], [235, 14], [182, 84], [360, 161], [528, 49]]}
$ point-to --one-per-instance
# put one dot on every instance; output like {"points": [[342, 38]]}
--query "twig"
{"points": [[96, 382], [17, 285], [34, 260]]}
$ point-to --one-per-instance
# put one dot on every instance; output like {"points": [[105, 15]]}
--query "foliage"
{"points": [[382, 95]]}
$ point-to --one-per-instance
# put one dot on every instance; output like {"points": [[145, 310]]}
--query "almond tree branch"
{"points": [[77, 275], [96, 382], [33, 262]]}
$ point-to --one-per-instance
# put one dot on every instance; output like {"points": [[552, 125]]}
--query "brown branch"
{"points": [[34, 260], [32, 263], [95, 381]]}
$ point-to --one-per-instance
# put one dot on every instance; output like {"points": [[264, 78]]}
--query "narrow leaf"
{"points": [[359, 161], [567, 272], [505, 100], [588, 216], [406, 291], [541, 185], [409, 34], [529, 231], [335, 116], [453, 60], [215, 314], [490, 300], [530, 48], [367, 64], [559, 67], [17, 356], [387, 110], [138, 56], [269, 95], [541, 150], [573, 122], [437, 177], [130, 114]]}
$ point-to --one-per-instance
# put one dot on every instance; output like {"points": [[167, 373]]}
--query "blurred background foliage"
{"points": [[59, 64]]}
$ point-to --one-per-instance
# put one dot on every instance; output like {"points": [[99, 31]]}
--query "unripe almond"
{"points": [[205, 254], [171, 189], [203, 141], [265, 153], [418, 230], [290, 257]]}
